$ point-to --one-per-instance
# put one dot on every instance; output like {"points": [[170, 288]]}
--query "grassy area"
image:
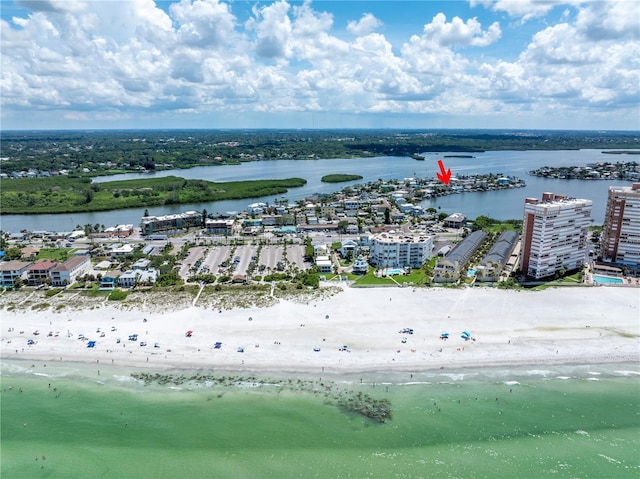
{"points": [[62, 194], [56, 254], [499, 228], [339, 178], [417, 277], [574, 279]]}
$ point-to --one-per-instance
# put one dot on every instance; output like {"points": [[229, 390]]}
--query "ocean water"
{"points": [[560, 421]]}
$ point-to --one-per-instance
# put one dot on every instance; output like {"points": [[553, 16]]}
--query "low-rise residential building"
{"points": [[449, 268], [175, 222], [110, 280], [324, 264], [394, 251], [40, 272], [360, 266], [142, 263], [66, 272], [220, 226], [132, 277], [455, 220], [12, 270], [121, 250], [348, 248], [492, 265]]}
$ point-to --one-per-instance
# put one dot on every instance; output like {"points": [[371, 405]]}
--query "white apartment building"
{"points": [[66, 273], [554, 234], [388, 250], [621, 233]]}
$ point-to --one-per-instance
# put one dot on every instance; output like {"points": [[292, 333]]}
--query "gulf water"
{"points": [[528, 422]]}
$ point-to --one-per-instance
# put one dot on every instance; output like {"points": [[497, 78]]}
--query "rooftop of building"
{"points": [[463, 250], [501, 249]]}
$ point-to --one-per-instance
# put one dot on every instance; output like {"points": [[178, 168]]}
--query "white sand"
{"points": [[571, 325]]}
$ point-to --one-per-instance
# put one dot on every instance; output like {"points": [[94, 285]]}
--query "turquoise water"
{"points": [[598, 279], [553, 422], [393, 271]]}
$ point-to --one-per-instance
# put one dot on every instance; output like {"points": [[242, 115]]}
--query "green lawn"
{"points": [[56, 254], [417, 277]]}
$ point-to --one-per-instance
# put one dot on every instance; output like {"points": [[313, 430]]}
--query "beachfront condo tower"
{"points": [[554, 234], [621, 232]]}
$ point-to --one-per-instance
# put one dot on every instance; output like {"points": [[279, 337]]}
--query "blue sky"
{"points": [[320, 64]]}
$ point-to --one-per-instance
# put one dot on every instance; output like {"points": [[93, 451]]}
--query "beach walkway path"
{"points": [[195, 300]]}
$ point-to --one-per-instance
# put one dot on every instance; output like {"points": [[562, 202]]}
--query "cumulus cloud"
{"points": [[459, 33], [367, 24], [132, 59], [524, 9]]}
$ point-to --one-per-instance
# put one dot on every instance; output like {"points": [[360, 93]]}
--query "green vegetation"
{"points": [[117, 295], [110, 152], [52, 292], [70, 195], [492, 225], [417, 277], [339, 178], [56, 254]]}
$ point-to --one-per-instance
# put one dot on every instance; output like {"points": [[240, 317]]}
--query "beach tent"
{"points": [[218, 345], [91, 344], [188, 334]]}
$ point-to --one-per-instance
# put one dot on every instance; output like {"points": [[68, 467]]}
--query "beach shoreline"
{"points": [[355, 331]]}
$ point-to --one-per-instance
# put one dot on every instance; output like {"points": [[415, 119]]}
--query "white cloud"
{"points": [[133, 60], [367, 24], [524, 9], [273, 30], [439, 33]]}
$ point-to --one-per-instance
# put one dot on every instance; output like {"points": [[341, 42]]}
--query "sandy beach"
{"points": [[352, 331]]}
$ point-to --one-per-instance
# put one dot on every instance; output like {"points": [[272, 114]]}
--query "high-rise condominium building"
{"points": [[621, 232], [554, 234]]}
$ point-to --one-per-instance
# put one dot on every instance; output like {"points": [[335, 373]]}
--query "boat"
{"points": [[418, 157]]}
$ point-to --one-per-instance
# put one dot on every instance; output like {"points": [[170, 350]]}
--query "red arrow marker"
{"points": [[443, 176]]}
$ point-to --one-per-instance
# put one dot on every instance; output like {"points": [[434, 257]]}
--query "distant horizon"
{"points": [[549, 130], [78, 65]]}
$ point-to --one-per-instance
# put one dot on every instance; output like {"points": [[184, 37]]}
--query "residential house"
{"points": [[324, 264], [348, 248], [109, 280], [131, 278], [455, 220], [360, 266]]}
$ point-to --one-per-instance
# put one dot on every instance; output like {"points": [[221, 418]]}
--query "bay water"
{"points": [[63, 421], [504, 204]]}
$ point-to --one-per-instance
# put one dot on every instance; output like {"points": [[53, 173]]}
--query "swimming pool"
{"points": [[393, 271], [471, 273], [598, 279]]}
